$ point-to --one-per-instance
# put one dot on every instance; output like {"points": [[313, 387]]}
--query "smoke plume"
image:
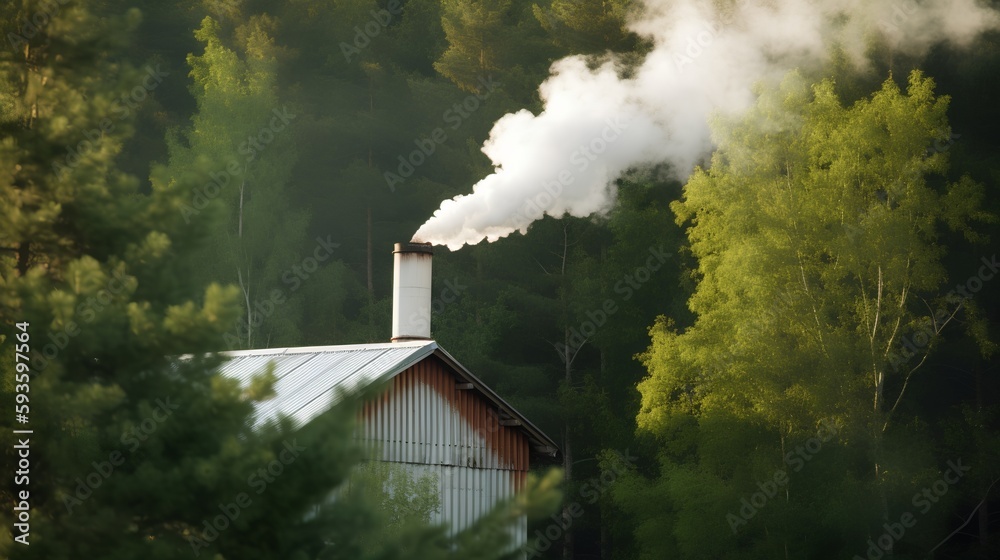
{"points": [[596, 124]]}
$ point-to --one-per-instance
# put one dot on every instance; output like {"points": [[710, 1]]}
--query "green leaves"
{"points": [[586, 26], [818, 231], [476, 39], [831, 207], [244, 135]]}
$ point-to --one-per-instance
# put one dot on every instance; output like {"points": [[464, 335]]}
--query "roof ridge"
{"points": [[326, 348]]}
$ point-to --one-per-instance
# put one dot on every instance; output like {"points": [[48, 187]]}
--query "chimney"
{"points": [[411, 291]]}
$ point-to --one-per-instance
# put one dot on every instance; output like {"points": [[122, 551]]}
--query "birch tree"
{"points": [[244, 132], [821, 291]]}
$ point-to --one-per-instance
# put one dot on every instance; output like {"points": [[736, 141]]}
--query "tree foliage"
{"points": [[817, 199], [245, 134], [817, 234], [139, 448]]}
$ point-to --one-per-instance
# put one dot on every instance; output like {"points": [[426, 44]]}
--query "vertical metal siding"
{"points": [[424, 422], [423, 418]]}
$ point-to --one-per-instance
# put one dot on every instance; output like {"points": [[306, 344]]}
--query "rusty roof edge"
{"points": [[552, 449], [413, 358]]}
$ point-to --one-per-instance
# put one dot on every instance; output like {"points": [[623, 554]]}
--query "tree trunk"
{"points": [[245, 287], [605, 534], [567, 361], [984, 510], [883, 500], [568, 466], [24, 249], [23, 254], [371, 281]]}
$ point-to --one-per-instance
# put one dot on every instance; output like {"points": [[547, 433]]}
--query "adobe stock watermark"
{"points": [[591, 491], [894, 27], [230, 512], [910, 346], [254, 144], [453, 289], [427, 144], [31, 26], [941, 145], [363, 35], [122, 107], [579, 159], [702, 39], [924, 501], [624, 287], [767, 490], [133, 437], [293, 277]]}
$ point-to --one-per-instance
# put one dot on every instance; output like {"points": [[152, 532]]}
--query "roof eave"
{"points": [[541, 443]]}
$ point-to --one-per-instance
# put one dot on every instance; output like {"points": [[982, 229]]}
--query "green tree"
{"points": [[401, 498], [816, 231], [476, 37], [246, 134], [135, 453], [587, 26], [499, 40]]}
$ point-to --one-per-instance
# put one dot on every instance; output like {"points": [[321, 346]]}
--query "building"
{"points": [[435, 416]]}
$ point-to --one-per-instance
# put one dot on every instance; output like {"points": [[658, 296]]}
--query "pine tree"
{"points": [[587, 26], [138, 449], [500, 41]]}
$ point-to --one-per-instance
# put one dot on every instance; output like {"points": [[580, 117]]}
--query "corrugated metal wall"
{"points": [[467, 494], [427, 422]]}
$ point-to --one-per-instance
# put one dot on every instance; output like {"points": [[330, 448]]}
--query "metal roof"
{"points": [[308, 378]]}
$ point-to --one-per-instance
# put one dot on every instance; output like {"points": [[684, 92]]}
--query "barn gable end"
{"points": [[434, 417], [426, 416], [430, 423]]}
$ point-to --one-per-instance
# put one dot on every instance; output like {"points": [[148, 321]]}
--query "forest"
{"points": [[747, 245]]}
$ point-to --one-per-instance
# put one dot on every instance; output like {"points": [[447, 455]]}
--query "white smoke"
{"points": [[596, 125]]}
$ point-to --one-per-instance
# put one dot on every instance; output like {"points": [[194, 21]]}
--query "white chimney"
{"points": [[411, 291]]}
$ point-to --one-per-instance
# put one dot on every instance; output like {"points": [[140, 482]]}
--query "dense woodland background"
{"points": [[758, 326]]}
